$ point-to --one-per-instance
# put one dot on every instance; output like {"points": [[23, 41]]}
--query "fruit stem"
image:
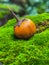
{"points": [[14, 14]]}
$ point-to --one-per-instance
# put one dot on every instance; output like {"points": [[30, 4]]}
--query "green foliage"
{"points": [[31, 7], [12, 6], [34, 51], [4, 9]]}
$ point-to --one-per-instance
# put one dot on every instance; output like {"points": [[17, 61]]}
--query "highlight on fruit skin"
{"points": [[24, 28]]}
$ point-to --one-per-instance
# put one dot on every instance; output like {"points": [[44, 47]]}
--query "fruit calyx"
{"points": [[19, 23]]}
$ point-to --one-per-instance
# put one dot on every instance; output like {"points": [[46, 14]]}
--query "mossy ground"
{"points": [[34, 51]]}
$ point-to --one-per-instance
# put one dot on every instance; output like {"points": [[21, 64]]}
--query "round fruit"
{"points": [[24, 28]]}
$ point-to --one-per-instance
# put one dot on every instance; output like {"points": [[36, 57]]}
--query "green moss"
{"points": [[39, 18], [13, 51]]}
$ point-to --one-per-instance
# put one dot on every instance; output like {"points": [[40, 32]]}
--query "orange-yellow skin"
{"points": [[26, 29]]}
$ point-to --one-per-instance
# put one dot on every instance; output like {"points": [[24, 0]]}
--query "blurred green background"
{"points": [[22, 8]]}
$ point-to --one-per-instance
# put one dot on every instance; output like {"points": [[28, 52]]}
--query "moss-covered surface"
{"points": [[39, 18], [34, 51]]}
